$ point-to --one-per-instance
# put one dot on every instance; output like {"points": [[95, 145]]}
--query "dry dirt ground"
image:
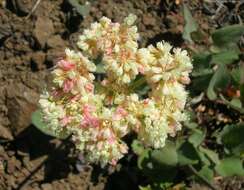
{"points": [[29, 46]]}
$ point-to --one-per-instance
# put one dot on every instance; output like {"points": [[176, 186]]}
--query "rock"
{"points": [[5, 133], [10, 153], [38, 59], [18, 164], [148, 19], [46, 186], [43, 30], [21, 103], [27, 164], [22, 153], [56, 42], [11, 165], [24, 6], [53, 55], [25, 172]]}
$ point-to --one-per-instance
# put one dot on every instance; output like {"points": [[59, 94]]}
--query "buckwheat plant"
{"points": [[99, 111]]}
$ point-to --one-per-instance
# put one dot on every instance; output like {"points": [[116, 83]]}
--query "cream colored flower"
{"points": [[99, 113]]}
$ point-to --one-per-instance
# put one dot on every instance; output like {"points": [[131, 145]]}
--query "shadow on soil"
{"points": [[61, 161]]}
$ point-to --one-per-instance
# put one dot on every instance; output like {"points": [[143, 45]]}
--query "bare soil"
{"points": [[29, 47]]}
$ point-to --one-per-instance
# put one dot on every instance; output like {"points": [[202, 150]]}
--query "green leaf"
{"points": [[201, 64], [83, 10], [196, 138], [204, 159], [207, 173], [155, 170], [39, 124], [143, 159], [220, 79], [230, 166], [166, 156], [200, 84], [228, 35], [190, 125], [236, 75], [236, 102], [137, 147], [232, 105], [232, 137], [213, 156], [187, 154], [190, 24], [201, 60], [225, 57]]}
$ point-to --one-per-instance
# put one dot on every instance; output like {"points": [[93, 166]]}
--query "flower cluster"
{"points": [[100, 111]]}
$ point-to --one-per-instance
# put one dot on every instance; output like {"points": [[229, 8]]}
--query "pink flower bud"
{"points": [[120, 113], [185, 79], [66, 65], [113, 162], [146, 101], [89, 87], [141, 69], [104, 82], [68, 85]]}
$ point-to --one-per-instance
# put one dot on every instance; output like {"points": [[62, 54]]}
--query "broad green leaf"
{"points": [[39, 124], [201, 60], [201, 64], [230, 166], [236, 102], [201, 72], [196, 138], [83, 10], [166, 156], [190, 24], [187, 154], [204, 159], [220, 79], [207, 173], [232, 137], [156, 171], [190, 125], [227, 35], [225, 57], [200, 84], [213, 156], [233, 106], [236, 75]]}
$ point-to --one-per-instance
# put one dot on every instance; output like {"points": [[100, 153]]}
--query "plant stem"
{"points": [[204, 180]]}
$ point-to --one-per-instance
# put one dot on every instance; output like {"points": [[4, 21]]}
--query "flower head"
{"points": [[99, 113]]}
